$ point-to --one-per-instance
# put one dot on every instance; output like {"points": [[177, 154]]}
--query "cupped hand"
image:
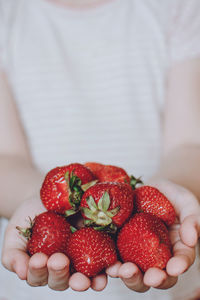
{"points": [[39, 269], [184, 236]]}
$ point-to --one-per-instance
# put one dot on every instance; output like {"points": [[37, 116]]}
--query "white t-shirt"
{"points": [[90, 86]]}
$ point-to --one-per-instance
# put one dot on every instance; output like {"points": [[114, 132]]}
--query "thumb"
{"points": [[16, 260], [14, 256]]}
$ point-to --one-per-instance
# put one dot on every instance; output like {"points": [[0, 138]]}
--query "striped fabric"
{"points": [[90, 85]]}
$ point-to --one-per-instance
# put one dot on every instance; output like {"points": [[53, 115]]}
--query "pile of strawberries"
{"points": [[121, 221]]}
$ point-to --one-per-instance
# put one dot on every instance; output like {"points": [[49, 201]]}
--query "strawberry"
{"points": [[64, 186], [151, 200], [94, 167], [91, 251], [48, 234], [107, 204], [113, 174], [109, 173], [144, 240]]}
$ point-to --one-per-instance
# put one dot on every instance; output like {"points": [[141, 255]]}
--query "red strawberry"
{"points": [[63, 187], [151, 200], [91, 251], [144, 240], [48, 233], [113, 174], [94, 167], [107, 204], [109, 173]]}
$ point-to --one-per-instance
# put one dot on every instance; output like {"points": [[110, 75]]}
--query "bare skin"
{"points": [[181, 152]]}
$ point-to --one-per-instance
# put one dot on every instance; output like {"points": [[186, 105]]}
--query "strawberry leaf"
{"points": [[25, 232], [75, 182], [89, 213], [75, 199], [75, 191], [91, 203], [103, 219], [113, 212], [73, 229], [134, 181], [104, 202], [88, 222], [86, 186], [70, 212]]}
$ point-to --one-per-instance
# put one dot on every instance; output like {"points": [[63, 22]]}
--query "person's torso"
{"points": [[90, 85]]}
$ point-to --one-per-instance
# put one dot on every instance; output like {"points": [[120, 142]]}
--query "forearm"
{"points": [[19, 180], [182, 166]]}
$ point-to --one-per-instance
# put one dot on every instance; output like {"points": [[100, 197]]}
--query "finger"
{"points": [[16, 260], [190, 230], [113, 270], [132, 277], [58, 268], [183, 258], [190, 207], [155, 277], [79, 282], [99, 282], [37, 270]]}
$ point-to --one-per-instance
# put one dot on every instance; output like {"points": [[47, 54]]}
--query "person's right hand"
{"points": [[39, 269]]}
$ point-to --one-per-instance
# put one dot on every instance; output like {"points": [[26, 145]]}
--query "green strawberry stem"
{"points": [[74, 188], [76, 191], [135, 181], [99, 215], [26, 232]]}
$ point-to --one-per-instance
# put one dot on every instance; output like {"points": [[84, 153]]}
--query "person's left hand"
{"points": [[184, 236], [39, 269]]}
